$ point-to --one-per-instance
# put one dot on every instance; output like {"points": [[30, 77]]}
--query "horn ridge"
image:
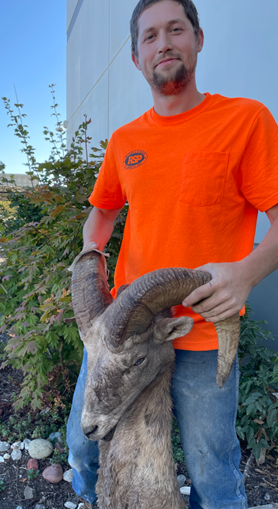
{"points": [[89, 289], [150, 294]]}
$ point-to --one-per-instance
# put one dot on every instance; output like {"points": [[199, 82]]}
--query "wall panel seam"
{"points": [[73, 18], [95, 84]]}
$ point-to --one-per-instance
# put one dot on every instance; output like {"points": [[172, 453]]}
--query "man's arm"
{"points": [[227, 292], [99, 227]]}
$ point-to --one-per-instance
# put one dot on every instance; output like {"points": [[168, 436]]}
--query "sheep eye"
{"points": [[139, 361]]}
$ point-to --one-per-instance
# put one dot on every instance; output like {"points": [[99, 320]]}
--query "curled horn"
{"points": [[228, 332], [136, 307], [89, 289]]}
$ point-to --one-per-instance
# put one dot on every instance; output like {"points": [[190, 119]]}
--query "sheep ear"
{"points": [[121, 289], [168, 329]]}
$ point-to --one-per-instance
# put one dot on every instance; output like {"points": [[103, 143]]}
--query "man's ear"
{"points": [[135, 61], [200, 40], [168, 329]]}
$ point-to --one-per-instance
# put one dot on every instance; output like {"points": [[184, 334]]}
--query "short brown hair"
{"points": [[189, 9]]}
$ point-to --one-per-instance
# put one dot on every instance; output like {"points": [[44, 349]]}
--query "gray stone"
{"points": [[4, 446], [40, 449], [261, 459], [45, 411], [81, 506], [19, 507], [185, 490], [28, 493], [56, 436], [67, 476], [267, 497], [2, 459], [39, 506], [181, 480], [70, 505], [6, 456], [16, 445], [26, 443], [16, 454], [269, 506]]}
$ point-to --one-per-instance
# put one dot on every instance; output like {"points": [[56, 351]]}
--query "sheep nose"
{"points": [[92, 430]]}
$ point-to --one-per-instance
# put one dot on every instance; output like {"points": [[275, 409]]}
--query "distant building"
{"points": [[21, 180], [238, 59]]}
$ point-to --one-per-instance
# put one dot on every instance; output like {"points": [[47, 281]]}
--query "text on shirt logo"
{"points": [[135, 159]]}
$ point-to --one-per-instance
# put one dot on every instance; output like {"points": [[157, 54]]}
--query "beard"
{"points": [[174, 83]]}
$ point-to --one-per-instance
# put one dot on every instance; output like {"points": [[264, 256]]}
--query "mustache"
{"points": [[165, 57]]}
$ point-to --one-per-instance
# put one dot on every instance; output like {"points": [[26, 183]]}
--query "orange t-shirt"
{"points": [[194, 183]]}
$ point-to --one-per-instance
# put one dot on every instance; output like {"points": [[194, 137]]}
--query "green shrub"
{"points": [[257, 419], [35, 301]]}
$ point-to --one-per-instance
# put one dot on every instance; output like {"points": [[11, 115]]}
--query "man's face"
{"points": [[167, 47]]}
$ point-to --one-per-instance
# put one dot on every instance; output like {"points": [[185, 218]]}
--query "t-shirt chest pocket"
{"points": [[203, 178]]}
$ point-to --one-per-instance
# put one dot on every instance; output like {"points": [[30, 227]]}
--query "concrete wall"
{"points": [[239, 59]]}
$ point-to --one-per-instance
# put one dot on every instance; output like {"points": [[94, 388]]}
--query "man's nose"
{"points": [[164, 43]]}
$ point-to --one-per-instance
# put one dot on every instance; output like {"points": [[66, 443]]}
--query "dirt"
{"points": [[261, 484]]}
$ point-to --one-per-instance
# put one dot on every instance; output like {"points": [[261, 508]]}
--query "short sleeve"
{"points": [[107, 192], [259, 164]]}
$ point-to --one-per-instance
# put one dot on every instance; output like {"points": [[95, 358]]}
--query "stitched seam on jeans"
{"points": [[232, 466]]}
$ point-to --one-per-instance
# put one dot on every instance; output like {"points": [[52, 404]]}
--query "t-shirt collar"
{"points": [[182, 117]]}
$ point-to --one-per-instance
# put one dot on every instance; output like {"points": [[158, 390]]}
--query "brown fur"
{"points": [[137, 468]]}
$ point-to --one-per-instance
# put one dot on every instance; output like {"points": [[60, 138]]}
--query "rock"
{"points": [[40, 449], [28, 493], [39, 506], [70, 505], [6, 456], [67, 476], [261, 459], [16, 454], [32, 463], [2, 459], [267, 497], [19, 507], [56, 436], [4, 446], [26, 443], [59, 448], [16, 445], [185, 490], [53, 474], [181, 480], [45, 411], [81, 506]]}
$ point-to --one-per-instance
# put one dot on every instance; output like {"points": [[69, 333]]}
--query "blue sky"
{"points": [[33, 56]]}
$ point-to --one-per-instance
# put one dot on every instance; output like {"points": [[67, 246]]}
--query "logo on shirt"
{"points": [[135, 159]]}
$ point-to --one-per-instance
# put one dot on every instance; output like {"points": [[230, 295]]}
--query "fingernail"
{"points": [[184, 304]]}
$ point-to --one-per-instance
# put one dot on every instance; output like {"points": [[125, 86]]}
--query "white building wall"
{"points": [[239, 59]]}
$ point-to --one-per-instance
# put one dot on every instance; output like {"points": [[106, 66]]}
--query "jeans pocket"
{"points": [[203, 178]]}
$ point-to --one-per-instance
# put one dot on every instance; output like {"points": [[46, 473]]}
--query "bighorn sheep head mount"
{"points": [[128, 340]]}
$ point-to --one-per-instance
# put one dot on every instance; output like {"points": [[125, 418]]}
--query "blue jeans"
{"points": [[83, 453], [206, 418]]}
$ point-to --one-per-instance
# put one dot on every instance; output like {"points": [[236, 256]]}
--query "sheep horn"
{"points": [[228, 332], [89, 289], [136, 307]]}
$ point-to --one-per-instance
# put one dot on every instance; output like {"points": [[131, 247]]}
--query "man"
{"points": [[195, 170]]}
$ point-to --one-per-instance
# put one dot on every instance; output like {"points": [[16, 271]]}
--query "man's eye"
{"points": [[139, 361], [149, 38], [176, 29]]}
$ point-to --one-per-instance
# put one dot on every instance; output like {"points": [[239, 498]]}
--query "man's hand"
{"points": [[224, 295]]}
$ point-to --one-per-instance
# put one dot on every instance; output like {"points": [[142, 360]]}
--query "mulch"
{"points": [[261, 483]]}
